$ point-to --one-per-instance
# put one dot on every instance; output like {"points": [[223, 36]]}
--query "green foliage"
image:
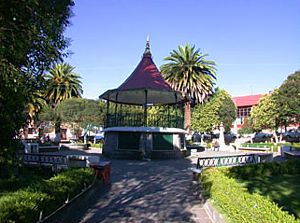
{"points": [[265, 114], [288, 99], [31, 40], [236, 203], [247, 127], [66, 184], [62, 84], [265, 169], [24, 177], [22, 206], [188, 71], [25, 204], [219, 109], [82, 111]]}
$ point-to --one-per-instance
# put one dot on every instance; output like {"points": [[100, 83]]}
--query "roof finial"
{"points": [[147, 50]]}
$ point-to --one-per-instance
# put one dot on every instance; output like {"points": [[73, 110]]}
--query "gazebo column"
{"points": [[107, 121], [116, 110], [176, 111], [145, 108]]}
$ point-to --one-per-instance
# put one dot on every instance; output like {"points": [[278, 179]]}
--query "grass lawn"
{"points": [[282, 189]]}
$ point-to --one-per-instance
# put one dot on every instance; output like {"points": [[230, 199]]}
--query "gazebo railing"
{"points": [[137, 119]]}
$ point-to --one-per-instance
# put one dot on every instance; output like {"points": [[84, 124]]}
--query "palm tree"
{"points": [[189, 72], [35, 104], [62, 83]]}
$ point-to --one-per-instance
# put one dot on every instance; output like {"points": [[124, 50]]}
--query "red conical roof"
{"points": [[145, 85], [145, 75]]}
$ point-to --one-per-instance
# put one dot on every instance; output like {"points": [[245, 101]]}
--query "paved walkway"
{"points": [[141, 191]]}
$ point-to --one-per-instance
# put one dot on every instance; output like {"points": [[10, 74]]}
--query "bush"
{"points": [[236, 203], [264, 169], [47, 195], [22, 206]]}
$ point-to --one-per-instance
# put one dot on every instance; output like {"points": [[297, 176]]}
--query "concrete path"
{"points": [[141, 191]]}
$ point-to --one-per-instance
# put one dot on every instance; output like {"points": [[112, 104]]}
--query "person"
{"points": [[42, 139], [216, 145], [47, 138]]}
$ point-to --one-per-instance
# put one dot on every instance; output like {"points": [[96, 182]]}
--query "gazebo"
{"points": [[131, 131]]}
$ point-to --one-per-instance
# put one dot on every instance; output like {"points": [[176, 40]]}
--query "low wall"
{"points": [[144, 149]]}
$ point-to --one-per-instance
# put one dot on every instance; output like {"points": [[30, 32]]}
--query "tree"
{"points": [[35, 105], [31, 40], [82, 111], [62, 84], [287, 98], [219, 109], [188, 71], [247, 126], [265, 115]]}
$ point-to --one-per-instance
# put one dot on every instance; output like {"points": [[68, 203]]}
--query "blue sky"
{"points": [[256, 44]]}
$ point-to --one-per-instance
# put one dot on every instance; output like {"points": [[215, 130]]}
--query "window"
{"points": [[243, 112]]}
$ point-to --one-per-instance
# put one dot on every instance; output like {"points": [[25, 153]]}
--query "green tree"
{"points": [[288, 98], [188, 71], [82, 111], [219, 109], [265, 115], [35, 105], [31, 37], [247, 127], [62, 84]]}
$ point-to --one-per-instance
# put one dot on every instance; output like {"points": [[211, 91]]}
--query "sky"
{"points": [[255, 44]]}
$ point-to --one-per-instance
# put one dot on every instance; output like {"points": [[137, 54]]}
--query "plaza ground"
{"points": [[142, 191]]}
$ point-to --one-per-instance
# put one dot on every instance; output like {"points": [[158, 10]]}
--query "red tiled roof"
{"points": [[145, 76], [247, 100]]}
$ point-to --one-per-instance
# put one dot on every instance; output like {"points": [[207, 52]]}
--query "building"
{"points": [[244, 105]]}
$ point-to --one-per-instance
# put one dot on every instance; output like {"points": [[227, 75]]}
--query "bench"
{"points": [[57, 162], [292, 154], [229, 160], [254, 149]]}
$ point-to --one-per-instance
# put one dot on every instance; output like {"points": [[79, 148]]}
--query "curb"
{"points": [[213, 213]]}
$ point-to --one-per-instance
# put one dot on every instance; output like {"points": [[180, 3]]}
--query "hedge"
{"points": [[274, 147], [265, 169], [236, 203], [25, 205]]}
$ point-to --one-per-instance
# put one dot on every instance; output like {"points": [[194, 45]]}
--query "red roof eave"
{"points": [[243, 101]]}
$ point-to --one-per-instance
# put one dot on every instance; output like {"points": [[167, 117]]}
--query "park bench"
{"points": [[229, 160], [254, 149], [287, 151], [56, 162]]}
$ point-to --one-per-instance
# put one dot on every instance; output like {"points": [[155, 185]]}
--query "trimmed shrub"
{"points": [[236, 203], [22, 206], [265, 169], [25, 205]]}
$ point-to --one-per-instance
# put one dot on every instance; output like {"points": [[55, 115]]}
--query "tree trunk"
{"points": [[57, 130], [187, 116], [275, 136]]}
